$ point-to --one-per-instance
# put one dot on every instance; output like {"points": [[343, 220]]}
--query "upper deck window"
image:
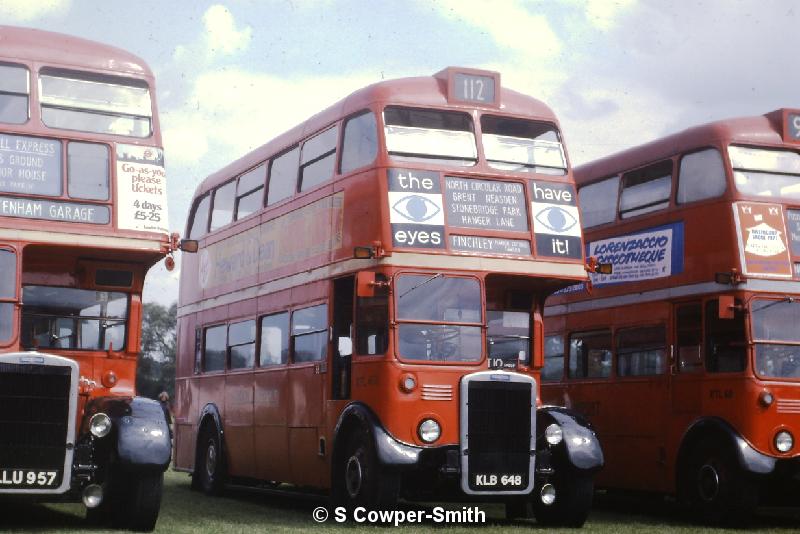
{"points": [[522, 146], [360, 144], [425, 135], [250, 191], [765, 172], [645, 190], [14, 93], [701, 176], [222, 212], [200, 218], [318, 158], [283, 176], [95, 103], [598, 202], [87, 171]]}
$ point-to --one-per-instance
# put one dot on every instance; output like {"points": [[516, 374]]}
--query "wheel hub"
{"points": [[211, 459], [353, 476], [708, 482]]}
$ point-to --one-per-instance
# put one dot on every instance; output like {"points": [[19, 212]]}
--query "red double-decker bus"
{"points": [[364, 312], [687, 357], [82, 218]]}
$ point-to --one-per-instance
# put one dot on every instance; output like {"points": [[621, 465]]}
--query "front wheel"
{"points": [[144, 500], [573, 500], [360, 480]]}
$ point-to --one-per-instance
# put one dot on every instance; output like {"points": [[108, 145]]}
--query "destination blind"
{"points": [[30, 165]]}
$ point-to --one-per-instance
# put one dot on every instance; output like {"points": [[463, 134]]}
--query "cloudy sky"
{"points": [[233, 74]]}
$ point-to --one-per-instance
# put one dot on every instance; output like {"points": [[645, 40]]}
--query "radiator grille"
{"points": [[34, 416], [499, 435]]}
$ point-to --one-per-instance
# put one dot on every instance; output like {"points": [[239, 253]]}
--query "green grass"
{"points": [[239, 511]]}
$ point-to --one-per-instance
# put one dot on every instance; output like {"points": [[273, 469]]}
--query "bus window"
{"points": [[310, 333], [8, 284], [222, 209], [522, 146], [689, 330], [318, 158], [68, 318], [509, 336], [87, 171], [250, 191], [274, 346], [424, 134], [95, 103], [766, 173], [590, 355], [360, 143], [214, 346], [200, 218], [553, 369], [646, 190], [641, 351], [14, 91], [701, 176], [598, 202], [437, 304], [725, 340], [372, 320], [777, 338], [242, 344], [283, 176]]}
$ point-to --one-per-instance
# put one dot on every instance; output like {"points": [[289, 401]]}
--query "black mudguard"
{"points": [[580, 446], [391, 452], [140, 431], [749, 459]]}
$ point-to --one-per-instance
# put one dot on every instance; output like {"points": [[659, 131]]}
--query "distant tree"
{"points": [[156, 370]]}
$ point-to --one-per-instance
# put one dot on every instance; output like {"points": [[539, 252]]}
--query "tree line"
{"points": [[156, 370]]}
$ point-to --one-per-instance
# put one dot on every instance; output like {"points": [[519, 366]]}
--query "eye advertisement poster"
{"points": [[554, 210], [763, 243]]}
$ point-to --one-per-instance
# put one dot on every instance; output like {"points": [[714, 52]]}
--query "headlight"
{"points": [[429, 431], [100, 425], [553, 434], [408, 383], [784, 441]]}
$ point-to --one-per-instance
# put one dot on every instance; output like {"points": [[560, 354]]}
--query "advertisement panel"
{"points": [[763, 245]]}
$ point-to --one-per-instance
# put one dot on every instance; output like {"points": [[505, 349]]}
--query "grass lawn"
{"points": [[185, 511]]}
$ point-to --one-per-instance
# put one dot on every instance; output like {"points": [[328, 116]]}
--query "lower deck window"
{"points": [[310, 333]]}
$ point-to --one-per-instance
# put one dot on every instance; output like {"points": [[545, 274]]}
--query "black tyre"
{"points": [[360, 480], [144, 500], [209, 469], [715, 487], [574, 493]]}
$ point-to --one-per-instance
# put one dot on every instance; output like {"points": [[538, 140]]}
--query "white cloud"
{"points": [[29, 10], [509, 23], [604, 14], [222, 36]]}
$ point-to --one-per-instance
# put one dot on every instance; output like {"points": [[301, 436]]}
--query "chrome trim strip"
{"points": [[57, 238]]}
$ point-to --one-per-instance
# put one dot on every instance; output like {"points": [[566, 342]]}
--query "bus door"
{"points": [[341, 362]]}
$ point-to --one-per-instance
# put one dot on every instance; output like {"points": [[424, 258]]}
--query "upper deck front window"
{"points": [[425, 135], [776, 336], [766, 172], [95, 103], [439, 318], [14, 92], [522, 146]]}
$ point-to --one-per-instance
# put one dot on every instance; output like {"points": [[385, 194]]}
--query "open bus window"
{"points": [[242, 344], [360, 143], [68, 318], [725, 340], [318, 158], [522, 146], [95, 103], [646, 190], [372, 321], [250, 191], [310, 333], [8, 284], [776, 336], [598, 202], [701, 176], [87, 171], [553, 369], [590, 355], [766, 173], [14, 92], [274, 347], [439, 317], [424, 135], [641, 351], [509, 336]]}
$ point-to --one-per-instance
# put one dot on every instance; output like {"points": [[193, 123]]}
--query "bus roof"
{"points": [[426, 91], [762, 129], [58, 49]]}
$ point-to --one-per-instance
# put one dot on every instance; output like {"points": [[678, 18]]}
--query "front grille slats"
{"points": [[787, 406], [438, 392]]}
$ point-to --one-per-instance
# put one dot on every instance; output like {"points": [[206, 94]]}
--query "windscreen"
{"points": [[766, 172], [522, 146], [423, 135], [777, 337], [439, 318], [68, 318]]}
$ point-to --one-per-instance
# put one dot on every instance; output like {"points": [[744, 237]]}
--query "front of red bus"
{"points": [[479, 223]]}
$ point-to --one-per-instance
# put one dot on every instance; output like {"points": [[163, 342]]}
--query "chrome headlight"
{"points": [[429, 431], [100, 425], [553, 434], [784, 441]]}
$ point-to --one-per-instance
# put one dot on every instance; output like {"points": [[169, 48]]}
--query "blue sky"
{"points": [[232, 75]]}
